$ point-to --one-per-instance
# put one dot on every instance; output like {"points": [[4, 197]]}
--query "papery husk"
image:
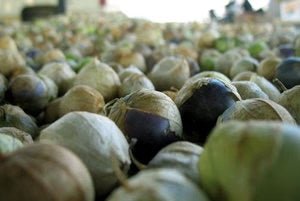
{"points": [[150, 118], [257, 109], [52, 111], [101, 77], [266, 86], [149, 101], [9, 143], [10, 61], [208, 59], [61, 73], [14, 116], [252, 160], [133, 83], [188, 89], [52, 56], [290, 100], [81, 98], [182, 156], [133, 58], [22, 71], [248, 90], [68, 179], [31, 92], [267, 67], [243, 76], [95, 139], [242, 65], [159, 185], [226, 61], [24, 137], [166, 70], [210, 74], [7, 43], [128, 72]]}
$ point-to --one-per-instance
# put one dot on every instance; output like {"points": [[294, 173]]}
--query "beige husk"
{"points": [[60, 73], [101, 77], [92, 137], [10, 61], [9, 144], [81, 98], [133, 83], [248, 90], [150, 101], [24, 137], [189, 87], [256, 109], [290, 99], [49, 173], [170, 72]]}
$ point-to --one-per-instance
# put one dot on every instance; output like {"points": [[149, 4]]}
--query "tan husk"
{"points": [[256, 109], [266, 86], [189, 87], [10, 61], [61, 73], [150, 101], [290, 99], [158, 185], [170, 72], [101, 77], [248, 89], [133, 83], [9, 144], [44, 172], [24, 137], [93, 138], [81, 98]]}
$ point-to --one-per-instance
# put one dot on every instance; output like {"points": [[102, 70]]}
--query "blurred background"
{"points": [[163, 10]]}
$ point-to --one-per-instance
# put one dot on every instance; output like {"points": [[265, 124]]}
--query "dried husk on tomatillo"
{"points": [[200, 103], [243, 76], [266, 86], [10, 61], [24, 137], [52, 111], [96, 140], [257, 109], [44, 172], [226, 61], [252, 160], [290, 99], [133, 58], [7, 43], [131, 70], [61, 73], [169, 72], [248, 90], [101, 77], [267, 67], [182, 156], [133, 83], [31, 92], [81, 98], [209, 74], [242, 65], [9, 144], [14, 116], [148, 116], [51, 56], [159, 185]]}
